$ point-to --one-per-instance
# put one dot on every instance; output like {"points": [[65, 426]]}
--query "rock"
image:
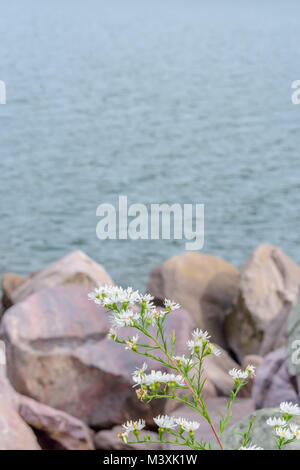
{"points": [[262, 434], [269, 283], [56, 342], [14, 433], [75, 268], [10, 282], [215, 406], [275, 336], [63, 431], [204, 285], [108, 440], [273, 383]]}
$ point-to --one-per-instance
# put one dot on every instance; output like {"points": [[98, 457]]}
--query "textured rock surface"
{"points": [[108, 440], [293, 345], [262, 434], [269, 281], [273, 383], [10, 282], [75, 268], [14, 432], [204, 285], [56, 342], [62, 431]]}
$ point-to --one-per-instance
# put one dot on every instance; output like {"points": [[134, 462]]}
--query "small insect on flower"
{"points": [[251, 447], [238, 374], [134, 425], [171, 305], [131, 343], [284, 433], [165, 422], [289, 408], [276, 422], [141, 393], [123, 436], [295, 430], [188, 426]]}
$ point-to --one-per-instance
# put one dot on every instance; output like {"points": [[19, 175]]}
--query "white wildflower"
{"points": [[238, 374], [134, 425], [250, 369], [200, 335], [284, 433], [189, 426], [213, 349], [276, 422], [171, 305], [295, 430], [251, 447], [165, 422], [131, 343], [183, 360], [125, 318], [112, 334], [289, 408]]}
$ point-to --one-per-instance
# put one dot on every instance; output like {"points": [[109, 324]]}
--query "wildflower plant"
{"points": [[182, 378]]}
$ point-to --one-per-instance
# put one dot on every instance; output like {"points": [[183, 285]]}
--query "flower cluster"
{"points": [[238, 374], [129, 308], [200, 343], [155, 378], [122, 304], [285, 432]]}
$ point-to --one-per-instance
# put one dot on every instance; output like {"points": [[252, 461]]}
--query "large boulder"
{"points": [[75, 268], [269, 284], [56, 429], [261, 435], [10, 282], [204, 285], [58, 354], [273, 383], [15, 434]]}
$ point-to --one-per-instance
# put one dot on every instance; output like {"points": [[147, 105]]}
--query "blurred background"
{"points": [[174, 101]]}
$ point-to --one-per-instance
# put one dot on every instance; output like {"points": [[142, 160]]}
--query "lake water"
{"points": [[162, 101]]}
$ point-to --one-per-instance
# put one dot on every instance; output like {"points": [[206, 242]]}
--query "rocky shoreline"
{"points": [[66, 386]]}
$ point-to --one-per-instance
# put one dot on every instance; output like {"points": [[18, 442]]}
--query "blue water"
{"points": [[163, 101]]}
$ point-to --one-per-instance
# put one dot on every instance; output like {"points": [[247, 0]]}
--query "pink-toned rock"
{"points": [[14, 432], [10, 282], [63, 431], [108, 440], [269, 281], [56, 342], [204, 285], [273, 383], [75, 268]]}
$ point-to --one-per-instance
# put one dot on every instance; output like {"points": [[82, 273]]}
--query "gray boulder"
{"points": [[262, 434]]}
